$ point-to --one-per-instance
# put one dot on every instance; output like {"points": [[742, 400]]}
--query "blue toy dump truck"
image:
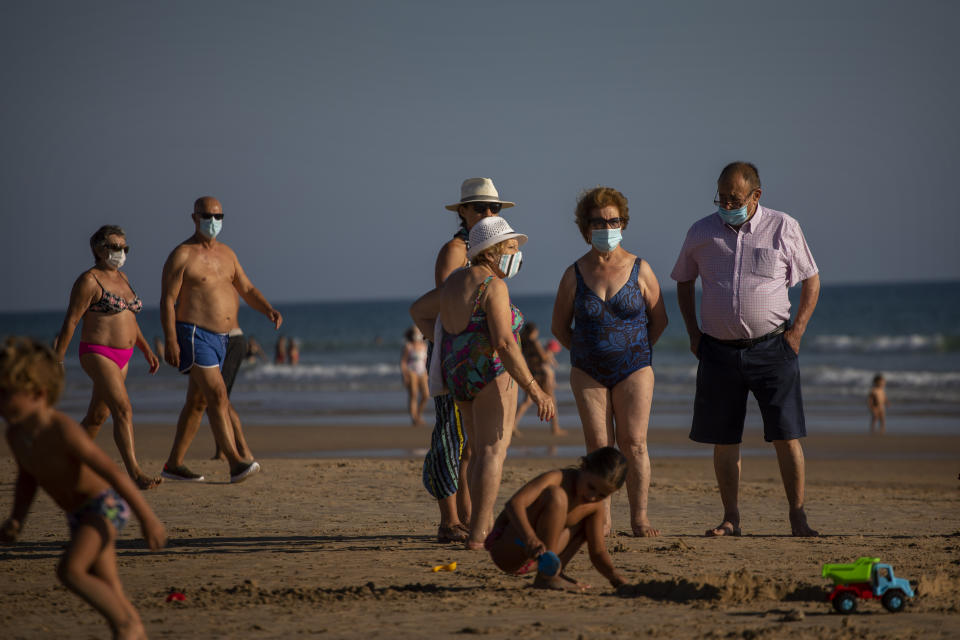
{"points": [[867, 578]]}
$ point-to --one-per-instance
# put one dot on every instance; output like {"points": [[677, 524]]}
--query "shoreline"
{"points": [[394, 441]]}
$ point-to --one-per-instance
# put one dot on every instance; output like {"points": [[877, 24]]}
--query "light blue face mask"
{"points": [[510, 264], [210, 228], [734, 218], [605, 240]]}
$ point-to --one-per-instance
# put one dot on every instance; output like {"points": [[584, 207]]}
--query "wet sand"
{"points": [[343, 546]]}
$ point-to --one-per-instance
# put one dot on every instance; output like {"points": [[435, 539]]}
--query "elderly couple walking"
{"points": [[609, 313], [202, 279]]}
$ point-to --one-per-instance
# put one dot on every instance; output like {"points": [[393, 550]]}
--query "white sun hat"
{"points": [[478, 190], [490, 231]]}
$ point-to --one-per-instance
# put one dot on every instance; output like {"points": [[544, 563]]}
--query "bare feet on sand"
{"points": [[558, 583], [725, 528], [145, 483], [645, 530], [798, 524]]}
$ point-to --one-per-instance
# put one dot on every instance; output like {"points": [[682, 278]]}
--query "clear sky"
{"points": [[334, 132]]}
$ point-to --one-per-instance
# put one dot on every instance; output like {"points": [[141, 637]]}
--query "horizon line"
{"points": [[282, 301]]}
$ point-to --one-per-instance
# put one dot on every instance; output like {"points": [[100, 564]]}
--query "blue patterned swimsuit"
{"points": [[108, 504], [610, 337]]}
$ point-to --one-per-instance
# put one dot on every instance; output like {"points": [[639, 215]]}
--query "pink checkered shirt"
{"points": [[745, 275]]}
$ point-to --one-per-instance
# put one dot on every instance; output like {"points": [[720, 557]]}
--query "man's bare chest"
{"points": [[208, 270]]}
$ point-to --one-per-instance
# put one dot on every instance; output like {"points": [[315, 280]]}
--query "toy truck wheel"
{"points": [[845, 602], [893, 600]]}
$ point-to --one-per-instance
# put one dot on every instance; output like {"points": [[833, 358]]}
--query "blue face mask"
{"points": [[734, 218], [605, 240], [210, 228], [510, 264]]}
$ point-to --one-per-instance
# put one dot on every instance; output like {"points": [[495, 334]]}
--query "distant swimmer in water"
{"points": [[413, 369], [293, 351], [877, 402]]}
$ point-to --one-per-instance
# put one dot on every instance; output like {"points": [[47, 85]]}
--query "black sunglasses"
{"points": [[207, 216], [481, 207], [605, 223], [118, 247]]}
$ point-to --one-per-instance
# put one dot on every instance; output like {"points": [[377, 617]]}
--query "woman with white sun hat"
{"points": [[478, 337]]}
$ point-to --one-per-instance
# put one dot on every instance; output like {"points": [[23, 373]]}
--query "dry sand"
{"points": [[343, 547]]}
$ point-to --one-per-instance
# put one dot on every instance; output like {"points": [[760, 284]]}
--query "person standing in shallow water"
{"points": [[104, 300], [877, 403], [746, 257], [198, 307], [413, 369]]}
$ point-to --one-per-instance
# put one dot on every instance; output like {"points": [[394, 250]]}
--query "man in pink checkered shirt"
{"points": [[746, 257]]}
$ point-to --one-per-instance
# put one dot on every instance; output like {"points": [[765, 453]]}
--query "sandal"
{"points": [[452, 534]]}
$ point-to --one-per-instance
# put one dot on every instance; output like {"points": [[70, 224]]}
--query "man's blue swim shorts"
{"points": [[200, 347]]}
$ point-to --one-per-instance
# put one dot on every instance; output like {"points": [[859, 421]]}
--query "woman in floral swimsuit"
{"points": [[479, 343]]}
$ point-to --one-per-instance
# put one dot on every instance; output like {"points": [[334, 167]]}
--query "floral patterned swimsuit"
{"points": [[469, 361], [610, 337]]}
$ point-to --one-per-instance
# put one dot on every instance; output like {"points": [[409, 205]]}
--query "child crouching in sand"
{"points": [[55, 453], [556, 512]]}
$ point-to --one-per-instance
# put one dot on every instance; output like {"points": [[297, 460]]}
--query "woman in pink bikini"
{"points": [[103, 298]]}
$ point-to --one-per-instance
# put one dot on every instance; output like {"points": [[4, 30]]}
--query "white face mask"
{"points": [[116, 259], [210, 228], [510, 264]]}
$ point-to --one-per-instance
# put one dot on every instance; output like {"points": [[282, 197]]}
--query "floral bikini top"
{"points": [[112, 303]]}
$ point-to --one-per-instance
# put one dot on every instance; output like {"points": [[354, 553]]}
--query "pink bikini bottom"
{"points": [[119, 356]]}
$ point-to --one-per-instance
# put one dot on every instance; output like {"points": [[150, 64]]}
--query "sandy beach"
{"points": [[342, 546]]}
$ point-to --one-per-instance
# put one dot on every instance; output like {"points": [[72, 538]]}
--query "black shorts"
{"points": [[236, 354], [727, 373]]}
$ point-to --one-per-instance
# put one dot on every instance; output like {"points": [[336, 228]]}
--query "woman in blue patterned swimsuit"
{"points": [[609, 313], [479, 344]]}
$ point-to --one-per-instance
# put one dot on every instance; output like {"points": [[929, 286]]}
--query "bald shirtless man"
{"points": [[198, 307]]}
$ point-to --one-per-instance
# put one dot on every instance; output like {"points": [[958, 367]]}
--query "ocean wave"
{"points": [[883, 343], [863, 378], [308, 372], [825, 375]]}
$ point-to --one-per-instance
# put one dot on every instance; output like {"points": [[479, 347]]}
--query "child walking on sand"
{"points": [[541, 363], [53, 452], [878, 403], [557, 512]]}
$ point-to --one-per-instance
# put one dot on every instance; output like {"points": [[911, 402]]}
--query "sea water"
{"points": [[349, 369]]}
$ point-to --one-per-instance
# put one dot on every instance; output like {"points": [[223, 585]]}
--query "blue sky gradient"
{"points": [[334, 133]]}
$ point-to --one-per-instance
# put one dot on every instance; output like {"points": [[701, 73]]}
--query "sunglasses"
{"points": [[604, 223], [481, 207], [118, 247], [207, 216]]}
